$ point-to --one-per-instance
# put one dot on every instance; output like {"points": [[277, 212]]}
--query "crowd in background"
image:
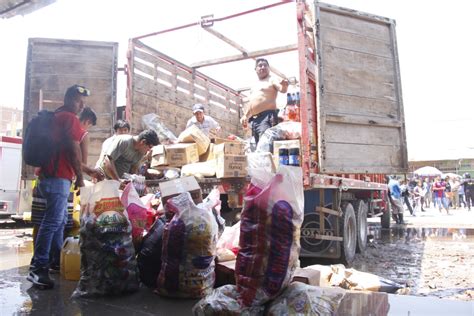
{"points": [[443, 192]]}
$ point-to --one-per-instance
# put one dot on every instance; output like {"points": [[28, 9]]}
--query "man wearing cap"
{"points": [[261, 110], [55, 181], [205, 123]]}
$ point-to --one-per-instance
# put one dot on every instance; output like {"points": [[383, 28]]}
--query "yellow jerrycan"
{"points": [[70, 267]]}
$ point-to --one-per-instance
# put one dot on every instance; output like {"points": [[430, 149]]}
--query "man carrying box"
{"points": [[204, 122]]}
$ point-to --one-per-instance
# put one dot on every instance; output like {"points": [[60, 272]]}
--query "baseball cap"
{"points": [[198, 107]]}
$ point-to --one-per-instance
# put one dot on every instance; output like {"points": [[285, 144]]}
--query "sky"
{"points": [[434, 44]]}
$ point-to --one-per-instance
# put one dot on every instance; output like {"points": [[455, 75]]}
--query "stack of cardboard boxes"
{"points": [[197, 155]]}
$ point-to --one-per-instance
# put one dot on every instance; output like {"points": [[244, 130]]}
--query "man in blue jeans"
{"points": [[55, 182]]}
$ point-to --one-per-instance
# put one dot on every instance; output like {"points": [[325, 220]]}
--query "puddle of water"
{"points": [[420, 233]]}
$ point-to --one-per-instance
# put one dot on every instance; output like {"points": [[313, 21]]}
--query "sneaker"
{"points": [[54, 268], [40, 278]]}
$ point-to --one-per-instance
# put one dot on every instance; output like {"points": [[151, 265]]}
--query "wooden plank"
{"points": [[356, 42], [254, 54], [362, 120], [320, 209], [343, 103], [360, 158], [360, 134], [355, 25]]}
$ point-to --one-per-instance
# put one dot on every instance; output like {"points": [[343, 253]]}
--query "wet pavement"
{"points": [[18, 297]]}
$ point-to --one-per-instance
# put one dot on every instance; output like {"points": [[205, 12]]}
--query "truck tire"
{"points": [[349, 234], [386, 216], [361, 217]]}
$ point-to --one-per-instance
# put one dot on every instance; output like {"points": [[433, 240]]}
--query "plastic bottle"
{"points": [[283, 156], [294, 156]]}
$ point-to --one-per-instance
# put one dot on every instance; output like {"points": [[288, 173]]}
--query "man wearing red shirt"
{"points": [[55, 182], [439, 187]]}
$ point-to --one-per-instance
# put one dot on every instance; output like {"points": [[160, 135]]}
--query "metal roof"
{"points": [[11, 8]]}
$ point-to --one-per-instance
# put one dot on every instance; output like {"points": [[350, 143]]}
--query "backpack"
{"points": [[38, 143]]}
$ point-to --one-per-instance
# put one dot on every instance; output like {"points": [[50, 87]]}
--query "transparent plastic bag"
{"points": [[303, 299], [282, 131], [269, 235], [136, 212], [152, 121], [189, 250], [108, 264], [223, 301]]}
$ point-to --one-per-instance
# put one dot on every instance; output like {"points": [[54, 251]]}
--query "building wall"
{"points": [[11, 121], [458, 166]]}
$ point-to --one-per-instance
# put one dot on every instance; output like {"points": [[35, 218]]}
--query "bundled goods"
{"points": [[189, 250], [108, 264], [149, 256], [136, 211], [303, 299], [223, 301], [213, 202], [269, 235]]}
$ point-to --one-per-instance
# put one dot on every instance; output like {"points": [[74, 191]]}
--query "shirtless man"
{"points": [[261, 110]]}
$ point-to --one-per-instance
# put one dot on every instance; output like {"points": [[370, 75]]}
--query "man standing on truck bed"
{"points": [[261, 109], [55, 182]]}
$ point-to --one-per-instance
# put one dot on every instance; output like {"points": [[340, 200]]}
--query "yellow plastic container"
{"points": [[71, 259]]}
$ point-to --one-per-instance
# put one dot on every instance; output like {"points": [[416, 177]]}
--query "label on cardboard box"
{"points": [[231, 166], [178, 155], [194, 135], [229, 148]]}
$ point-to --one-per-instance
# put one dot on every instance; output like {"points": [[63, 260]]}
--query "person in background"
{"points": [[438, 187], [428, 194], [396, 199], [417, 197], [88, 118], [448, 191], [469, 190], [261, 110], [461, 194], [455, 192], [406, 194], [204, 122], [121, 127], [125, 154], [55, 183]]}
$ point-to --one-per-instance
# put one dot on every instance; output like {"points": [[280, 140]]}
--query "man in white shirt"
{"points": [[205, 123]]}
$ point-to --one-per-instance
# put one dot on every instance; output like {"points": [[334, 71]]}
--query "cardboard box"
{"points": [[231, 166], [208, 155], [178, 155], [307, 276], [229, 148], [194, 135], [286, 143], [158, 156], [175, 187]]}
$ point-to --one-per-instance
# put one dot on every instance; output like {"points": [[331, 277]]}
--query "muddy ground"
{"points": [[431, 255], [433, 261]]}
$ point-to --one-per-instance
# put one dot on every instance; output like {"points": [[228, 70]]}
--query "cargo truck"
{"points": [[344, 61]]}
